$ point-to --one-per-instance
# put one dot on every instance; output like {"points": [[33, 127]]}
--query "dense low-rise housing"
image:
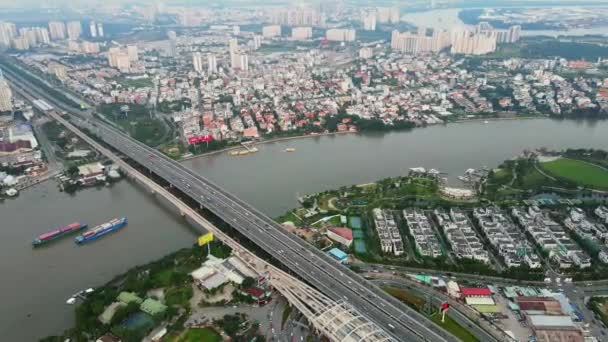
{"points": [[506, 238], [426, 241], [551, 237], [460, 233], [388, 232]]}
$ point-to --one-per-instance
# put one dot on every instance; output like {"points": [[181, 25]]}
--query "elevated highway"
{"points": [[332, 279]]}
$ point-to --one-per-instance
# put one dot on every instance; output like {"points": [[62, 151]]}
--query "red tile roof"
{"points": [[343, 232], [475, 291]]}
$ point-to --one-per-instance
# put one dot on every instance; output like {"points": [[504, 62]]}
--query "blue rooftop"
{"points": [[338, 254]]}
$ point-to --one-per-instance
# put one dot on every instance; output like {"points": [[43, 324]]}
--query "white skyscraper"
{"points": [[242, 62], [133, 53], [197, 61], [93, 29], [256, 42], [8, 31], [236, 30], [340, 35], [211, 64], [6, 95], [42, 35], [233, 46], [57, 30], [369, 21], [100, 29], [366, 52], [172, 43], [271, 31], [301, 32], [74, 30]]}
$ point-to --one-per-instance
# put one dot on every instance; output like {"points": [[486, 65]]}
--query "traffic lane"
{"points": [[231, 205], [235, 218], [227, 205], [459, 317]]}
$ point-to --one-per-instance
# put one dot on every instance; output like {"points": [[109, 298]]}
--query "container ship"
{"points": [[101, 230], [58, 233]]}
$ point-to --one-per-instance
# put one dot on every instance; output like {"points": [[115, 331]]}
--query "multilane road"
{"points": [[306, 261], [334, 280]]}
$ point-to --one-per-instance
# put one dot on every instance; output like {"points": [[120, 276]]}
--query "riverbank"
{"points": [[262, 142], [274, 140]]}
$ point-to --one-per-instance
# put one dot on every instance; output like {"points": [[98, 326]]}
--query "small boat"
{"points": [[243, 153], [234, 153], [11, 192], [71, 301], [290, 149], [486, 122]]}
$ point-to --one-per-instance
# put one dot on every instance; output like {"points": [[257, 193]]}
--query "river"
{"points": [[448, 19], [37, 282], [272, 179]]}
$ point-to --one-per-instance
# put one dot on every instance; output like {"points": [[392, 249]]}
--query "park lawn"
{"points": [[200, 335], [501, 176], [163, 278], [137, 123], [579, 172], [454, 328], [179, 296], [532, 179]]}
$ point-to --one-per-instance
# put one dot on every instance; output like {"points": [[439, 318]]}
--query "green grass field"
{"points": [[453, 327], [200, 335], [577, 171], [417, 302]]}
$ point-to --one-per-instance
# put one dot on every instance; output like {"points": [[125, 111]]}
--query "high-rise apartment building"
{"points": [[6, 95], [172, 52], [42, 35], [256, 43], [74, 30], [99, 29], [368, 19], [386, 15], [471, 43], [271, 31], [92, 29], [211, 64], [510, 35], [301, 32], [21, 43], [340, 35], [411, 43], [8, 31], [197, 62], [298, 17], [57, 30], [133, 53], [366, 52], [240, 61], [89, 47]]}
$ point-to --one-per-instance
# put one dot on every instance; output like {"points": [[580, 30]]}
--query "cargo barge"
{"points": [[58, 233], [101, 230]]}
